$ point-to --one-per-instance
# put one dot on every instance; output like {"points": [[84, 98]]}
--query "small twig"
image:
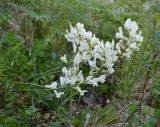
{"points": [[146, 81]]}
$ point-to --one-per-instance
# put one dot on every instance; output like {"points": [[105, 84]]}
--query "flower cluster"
{"points": [[126, 46], [100, 56]]}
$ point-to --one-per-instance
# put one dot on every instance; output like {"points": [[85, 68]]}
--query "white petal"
{"points": [[82, 92], [52, 86], [64, 59], [58, 94], [77, 59]]}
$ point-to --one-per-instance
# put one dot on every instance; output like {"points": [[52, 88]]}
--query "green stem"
{"points": [[71, 105], [51, 71], [63, 87]]}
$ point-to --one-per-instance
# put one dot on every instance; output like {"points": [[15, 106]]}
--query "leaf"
{"points": [[31, 110], [151, 122], [79, 120], [38, 48], [132, 107], [11, 121]]}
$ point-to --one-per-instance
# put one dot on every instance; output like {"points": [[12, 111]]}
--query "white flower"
{"points": [[110, 55], [132, 42], [80, 77], [86, 56], [73, 80], [63, 81], [138, 37], [88, 78], [80, 29], [72, 36], [71, 76], [74, 48], [82, 92], [108, 101], [133, 45], [92, 63], [110, 70], [98, 49], [131, 26], [64, 59], [102, 78], [120, 33], [73, 30], [77, 59], [84, 46], [52, 86], [118, 48], [94, 81], [66, 72], [94, 41], [100, 56], [88, 35], [58, 94], [128, 53], [79, 26]]}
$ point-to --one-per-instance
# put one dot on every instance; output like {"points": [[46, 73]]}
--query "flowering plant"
{"points": [[100, 56]]}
